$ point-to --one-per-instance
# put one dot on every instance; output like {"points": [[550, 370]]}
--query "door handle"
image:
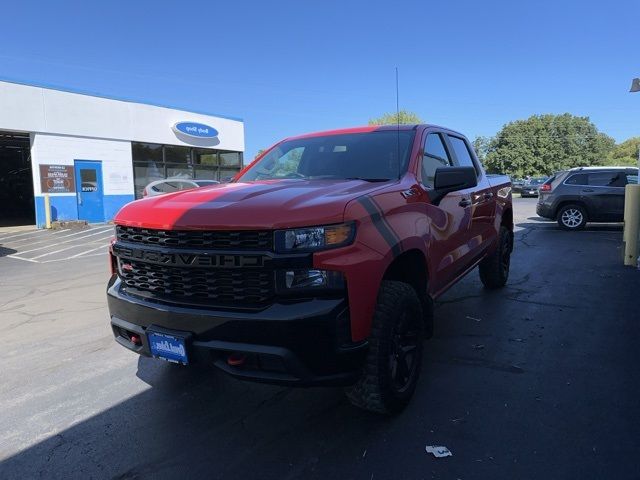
{"points": [[410, 193], [79, 198], [465, 202], [488, 195], [587, 190]]}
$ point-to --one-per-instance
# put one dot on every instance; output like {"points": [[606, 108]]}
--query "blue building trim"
{"points": [[113, 203], [65, 208], [109, 97]]}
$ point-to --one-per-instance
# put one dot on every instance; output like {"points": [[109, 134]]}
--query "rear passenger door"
{"points": [[606, 195]]}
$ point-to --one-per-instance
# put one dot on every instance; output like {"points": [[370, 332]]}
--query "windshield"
{"points": [[536, 181], [372, 156], [204, 183]]}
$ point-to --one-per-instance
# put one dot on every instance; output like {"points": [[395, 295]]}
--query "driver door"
{"points": [[449, 221]]}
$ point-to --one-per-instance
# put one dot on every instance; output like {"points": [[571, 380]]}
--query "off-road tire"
{"points": [[572, 217], [494, 269], [376, 391]]}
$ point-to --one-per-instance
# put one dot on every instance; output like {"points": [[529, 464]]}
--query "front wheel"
{"points": [[392, 367], [494, 269]]}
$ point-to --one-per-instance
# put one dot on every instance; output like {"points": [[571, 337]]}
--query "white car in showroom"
{"points": [[168, 185]]}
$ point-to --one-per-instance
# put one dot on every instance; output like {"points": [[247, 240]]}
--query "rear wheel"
{"points": [[572, 217], [392, 367], [494, 269]]}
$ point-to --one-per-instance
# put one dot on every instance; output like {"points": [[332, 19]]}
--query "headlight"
{"points": [[310, 239]]}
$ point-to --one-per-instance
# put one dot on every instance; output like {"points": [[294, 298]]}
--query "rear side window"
{"points": [[607, 179], [435, 156], [577, 179], [462, 152]]}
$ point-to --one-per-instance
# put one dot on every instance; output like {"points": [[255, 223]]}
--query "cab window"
{"points": [[462, 152], [435, 156]]}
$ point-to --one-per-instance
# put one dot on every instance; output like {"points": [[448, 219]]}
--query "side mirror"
{"points": [[226, 179], [452, 179]]}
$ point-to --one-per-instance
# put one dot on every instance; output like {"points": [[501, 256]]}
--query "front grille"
{"points": [[240, 288], [212, 240]]}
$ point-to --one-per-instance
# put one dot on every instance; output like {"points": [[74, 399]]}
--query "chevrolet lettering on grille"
{"points": [[186, 259]]}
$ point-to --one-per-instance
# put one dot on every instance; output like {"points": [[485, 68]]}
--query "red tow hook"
{"points": [[236, 359], [135, 339]]}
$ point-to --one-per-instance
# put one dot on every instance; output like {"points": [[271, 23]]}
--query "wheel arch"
{"points": [[411, 267], [507, 219], [566, 202]]}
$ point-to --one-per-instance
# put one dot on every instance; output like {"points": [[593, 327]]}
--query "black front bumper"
{"points": [[301, 343]]}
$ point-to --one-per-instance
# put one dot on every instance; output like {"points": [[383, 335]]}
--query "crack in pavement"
{"points": [[480, 362], [543, 304]]}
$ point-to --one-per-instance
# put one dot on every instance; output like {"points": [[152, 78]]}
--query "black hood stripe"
{"points": [[381, 224]]}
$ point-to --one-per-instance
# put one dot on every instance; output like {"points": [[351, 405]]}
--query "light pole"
{"points": [[635, 87], [632, 195]]}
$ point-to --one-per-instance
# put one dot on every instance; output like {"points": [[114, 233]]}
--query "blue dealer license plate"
{"points": [[167, 347]]}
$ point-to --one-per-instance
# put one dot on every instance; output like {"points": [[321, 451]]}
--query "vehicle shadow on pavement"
{"points": [[199, 423], [6, 251]]}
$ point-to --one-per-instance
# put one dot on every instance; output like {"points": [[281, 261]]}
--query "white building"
{"points": [[92, 155]]}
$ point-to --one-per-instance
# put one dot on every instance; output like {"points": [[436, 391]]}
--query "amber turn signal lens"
{"points": [[337, 234]]}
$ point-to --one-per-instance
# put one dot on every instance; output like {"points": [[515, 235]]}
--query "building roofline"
{"points": [[109, 97]]}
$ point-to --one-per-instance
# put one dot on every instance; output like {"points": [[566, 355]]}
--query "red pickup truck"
{"points": [[317, 265]]}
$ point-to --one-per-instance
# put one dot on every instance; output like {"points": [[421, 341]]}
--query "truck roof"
{"points": [[368, 128]]}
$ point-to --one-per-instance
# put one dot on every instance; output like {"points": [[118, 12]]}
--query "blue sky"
{"points": [[293, 67]]}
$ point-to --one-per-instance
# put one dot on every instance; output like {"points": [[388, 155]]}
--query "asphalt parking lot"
{"points": [[47, 246], [538, 380]]}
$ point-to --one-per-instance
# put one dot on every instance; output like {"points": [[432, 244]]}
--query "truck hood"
{"points": [[261, 205]]}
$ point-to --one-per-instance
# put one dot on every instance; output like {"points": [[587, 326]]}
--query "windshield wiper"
{"points": [[369, 179]]}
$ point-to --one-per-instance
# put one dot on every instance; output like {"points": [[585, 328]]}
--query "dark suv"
{"points": [[587, 194]]}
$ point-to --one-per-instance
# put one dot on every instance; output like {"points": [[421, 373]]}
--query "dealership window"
{"points": [[147, 152], [230, 159], [155, 162], [174, 154]]}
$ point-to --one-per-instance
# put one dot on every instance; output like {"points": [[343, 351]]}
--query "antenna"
{"points": [[397, 99], [398, 121]]}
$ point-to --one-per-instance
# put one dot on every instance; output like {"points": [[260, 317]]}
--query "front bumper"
{"points": [[301, 343]]}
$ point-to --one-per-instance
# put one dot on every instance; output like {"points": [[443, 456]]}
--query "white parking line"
{"points": [[88, 251], [17, 257], [102, 228], [36, 240], [48, 240], [70, 247], [66, 241], [30, 232], [99, 254]]}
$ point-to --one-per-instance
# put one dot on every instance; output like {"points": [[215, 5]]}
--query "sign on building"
{"points": [[57, 179]]}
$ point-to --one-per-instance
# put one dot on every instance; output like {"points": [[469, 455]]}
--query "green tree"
{"points": [[544, 144], [392, 118], [482, 145], [625, 153]]}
